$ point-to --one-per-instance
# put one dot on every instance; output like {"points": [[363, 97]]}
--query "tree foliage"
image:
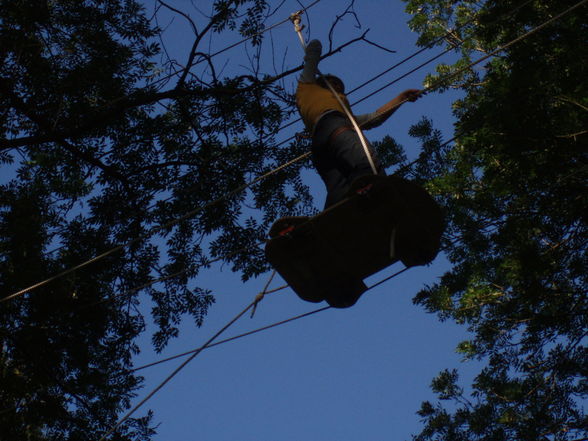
{"points": [[514, 187], [107, 141]]}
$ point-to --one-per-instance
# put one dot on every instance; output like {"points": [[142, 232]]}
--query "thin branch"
{"points": [[379, 46], [348, 11]]}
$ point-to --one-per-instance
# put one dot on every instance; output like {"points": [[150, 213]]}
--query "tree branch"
{"points": [[142, 98], [28, 111]]}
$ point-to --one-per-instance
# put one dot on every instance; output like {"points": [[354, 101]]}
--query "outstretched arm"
{"points": [[371, 120], [312, 57]]}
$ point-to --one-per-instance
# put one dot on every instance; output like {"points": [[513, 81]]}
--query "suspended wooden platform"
{"points": [[382, 220]]}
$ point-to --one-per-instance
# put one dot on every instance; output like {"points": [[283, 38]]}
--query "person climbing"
{"points": [[337, 152]]}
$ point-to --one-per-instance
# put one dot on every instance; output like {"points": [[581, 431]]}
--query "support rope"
{"points": [[264, 328], [175, 372]]}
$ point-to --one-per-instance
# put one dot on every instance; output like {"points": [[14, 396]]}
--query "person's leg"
{"points": [[335, 181], [351, 161], [339, 160], [323, 160]]}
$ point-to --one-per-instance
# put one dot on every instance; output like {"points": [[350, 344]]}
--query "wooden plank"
{"points": [[328, 256]]}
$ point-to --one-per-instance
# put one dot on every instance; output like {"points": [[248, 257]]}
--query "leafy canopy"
{"points": [[513, 185]]}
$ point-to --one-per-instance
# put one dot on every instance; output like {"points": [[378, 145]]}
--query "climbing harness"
{"points": [[298, 27]]}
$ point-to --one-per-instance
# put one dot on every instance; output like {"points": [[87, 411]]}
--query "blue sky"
{"points": [[354, 374]]}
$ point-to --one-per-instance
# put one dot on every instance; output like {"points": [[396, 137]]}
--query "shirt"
{"points": [[313, 101]]}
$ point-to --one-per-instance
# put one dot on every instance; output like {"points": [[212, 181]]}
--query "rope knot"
{"points": [[297, 20]]}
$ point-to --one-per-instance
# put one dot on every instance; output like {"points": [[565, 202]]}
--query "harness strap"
{"points": [[337, 132]]}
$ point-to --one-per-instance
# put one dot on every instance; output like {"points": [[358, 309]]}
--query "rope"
{"points": [[299, 158], [263, 328], [173, 374], [155, 230], [298, 28], [197, 351], [259, 297]]}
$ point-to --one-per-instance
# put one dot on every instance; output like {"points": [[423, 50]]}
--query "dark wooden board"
{"points": [[326, 257]]}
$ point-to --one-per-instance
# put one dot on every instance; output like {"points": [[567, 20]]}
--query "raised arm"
{"points": [[312, 57], [374, 119]]}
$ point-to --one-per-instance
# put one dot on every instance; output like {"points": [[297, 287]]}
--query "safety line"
{"points": [[304, 9], [303, 156], [263, 328], [195, 352], [175, 372], [364, 144], [181, 366], [236, 337]]}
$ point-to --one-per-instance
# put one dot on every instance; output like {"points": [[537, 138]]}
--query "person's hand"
{"points": [[410, 95], [315, 47]]}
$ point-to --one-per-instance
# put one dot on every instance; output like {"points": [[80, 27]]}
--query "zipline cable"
{"points": [[303, 156]]}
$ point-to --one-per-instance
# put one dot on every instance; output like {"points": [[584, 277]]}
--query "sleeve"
{"points": [[369, 120], [311, 60]]}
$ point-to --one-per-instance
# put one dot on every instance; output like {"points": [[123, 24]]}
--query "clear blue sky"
{"points": [[353, 374]]}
